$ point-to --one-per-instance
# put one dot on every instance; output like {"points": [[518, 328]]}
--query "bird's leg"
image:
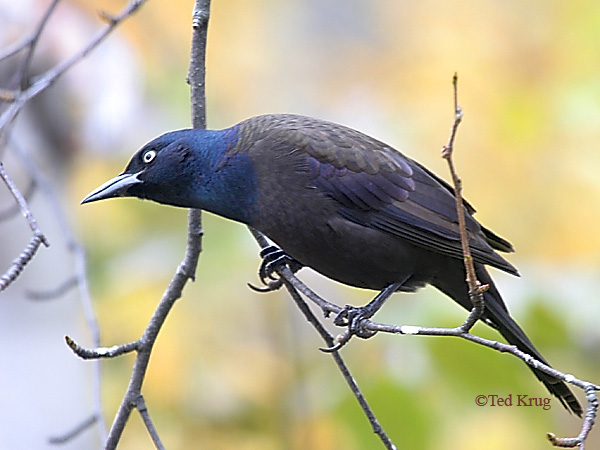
{"points": [[352, 317], [272, 257]]}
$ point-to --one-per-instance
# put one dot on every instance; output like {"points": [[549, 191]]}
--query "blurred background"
{"points": [[236, 369]]}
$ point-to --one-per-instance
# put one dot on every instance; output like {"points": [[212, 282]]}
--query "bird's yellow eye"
{"points": [[149, 156]]}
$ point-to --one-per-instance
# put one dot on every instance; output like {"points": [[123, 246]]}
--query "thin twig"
{"points": [[31, 40], [18, 264], [78, 429], [140, 405], [19, 100], [476, 290], [26, 64], [592, 409], [447, 152], [588, 423], [197, 69], [53, 74], [80, 269], [11, 112], [102, 352], [52, 294], [13, 209], [23, 206]]}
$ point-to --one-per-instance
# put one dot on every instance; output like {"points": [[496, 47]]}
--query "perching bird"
{"points": [[334, 199]]}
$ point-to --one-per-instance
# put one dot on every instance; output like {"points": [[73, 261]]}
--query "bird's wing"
{"points": [[376, 186]]}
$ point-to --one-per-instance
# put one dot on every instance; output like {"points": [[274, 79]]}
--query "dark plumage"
{"points": [[334, 199]]}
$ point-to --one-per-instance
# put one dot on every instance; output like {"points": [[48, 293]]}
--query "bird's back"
{"points": [[330, 195]]}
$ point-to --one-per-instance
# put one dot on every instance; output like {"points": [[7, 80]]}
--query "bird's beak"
{"points": [[115, 187]]}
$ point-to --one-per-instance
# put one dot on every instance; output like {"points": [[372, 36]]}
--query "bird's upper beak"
{"points": [[115, 187]]}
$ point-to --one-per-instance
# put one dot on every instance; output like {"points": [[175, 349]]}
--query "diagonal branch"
{"points": [[339, 361], [294, 285], [31, 40]]}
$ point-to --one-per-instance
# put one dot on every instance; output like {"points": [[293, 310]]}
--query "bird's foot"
{"points": [[272, 258], [354, 318]]}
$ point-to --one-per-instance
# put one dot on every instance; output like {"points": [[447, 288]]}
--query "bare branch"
{"points": [[21, 100], [18, 100], [52, 75], [31, 40], [185, 271], [588, 423], [291, 280], [52, 294], [102, 352], [337, 357], [23, 206], [197, 69], [76, 431], [13, 209], [36, 240], [476, 290], [21, 261], [140, 405], [80, 275]]}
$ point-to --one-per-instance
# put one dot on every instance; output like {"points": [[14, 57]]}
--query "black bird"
{"points": [[334, 199]]}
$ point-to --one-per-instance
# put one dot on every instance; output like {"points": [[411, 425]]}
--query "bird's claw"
{"points": [[270, 286], [272, 258], [354, 318]]}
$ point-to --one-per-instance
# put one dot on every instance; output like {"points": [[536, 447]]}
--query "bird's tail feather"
{"points": [[497, 315]]}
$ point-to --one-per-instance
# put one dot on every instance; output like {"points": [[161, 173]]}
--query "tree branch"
{"points": [[79, 279], [37, 239], [31, 40], [76, 431], [476, 290], [53, 74], [293, 285], [133, 397]]}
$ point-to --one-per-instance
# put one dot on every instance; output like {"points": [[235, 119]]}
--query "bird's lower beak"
{"points": [[115, 187]]}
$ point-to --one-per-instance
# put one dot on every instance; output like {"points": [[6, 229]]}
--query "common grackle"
{"points": [[334, 199]]}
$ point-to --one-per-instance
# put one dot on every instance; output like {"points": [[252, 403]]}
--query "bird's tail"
{"points": [[496, 314]]}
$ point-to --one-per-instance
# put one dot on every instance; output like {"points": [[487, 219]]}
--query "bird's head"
{"points": [[187, 168], [162, 171]]}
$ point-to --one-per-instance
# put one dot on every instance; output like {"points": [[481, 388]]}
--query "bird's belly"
{"points": [[353, 254]]}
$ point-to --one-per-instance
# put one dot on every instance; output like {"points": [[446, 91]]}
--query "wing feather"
{"points": [[376, 186]]}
